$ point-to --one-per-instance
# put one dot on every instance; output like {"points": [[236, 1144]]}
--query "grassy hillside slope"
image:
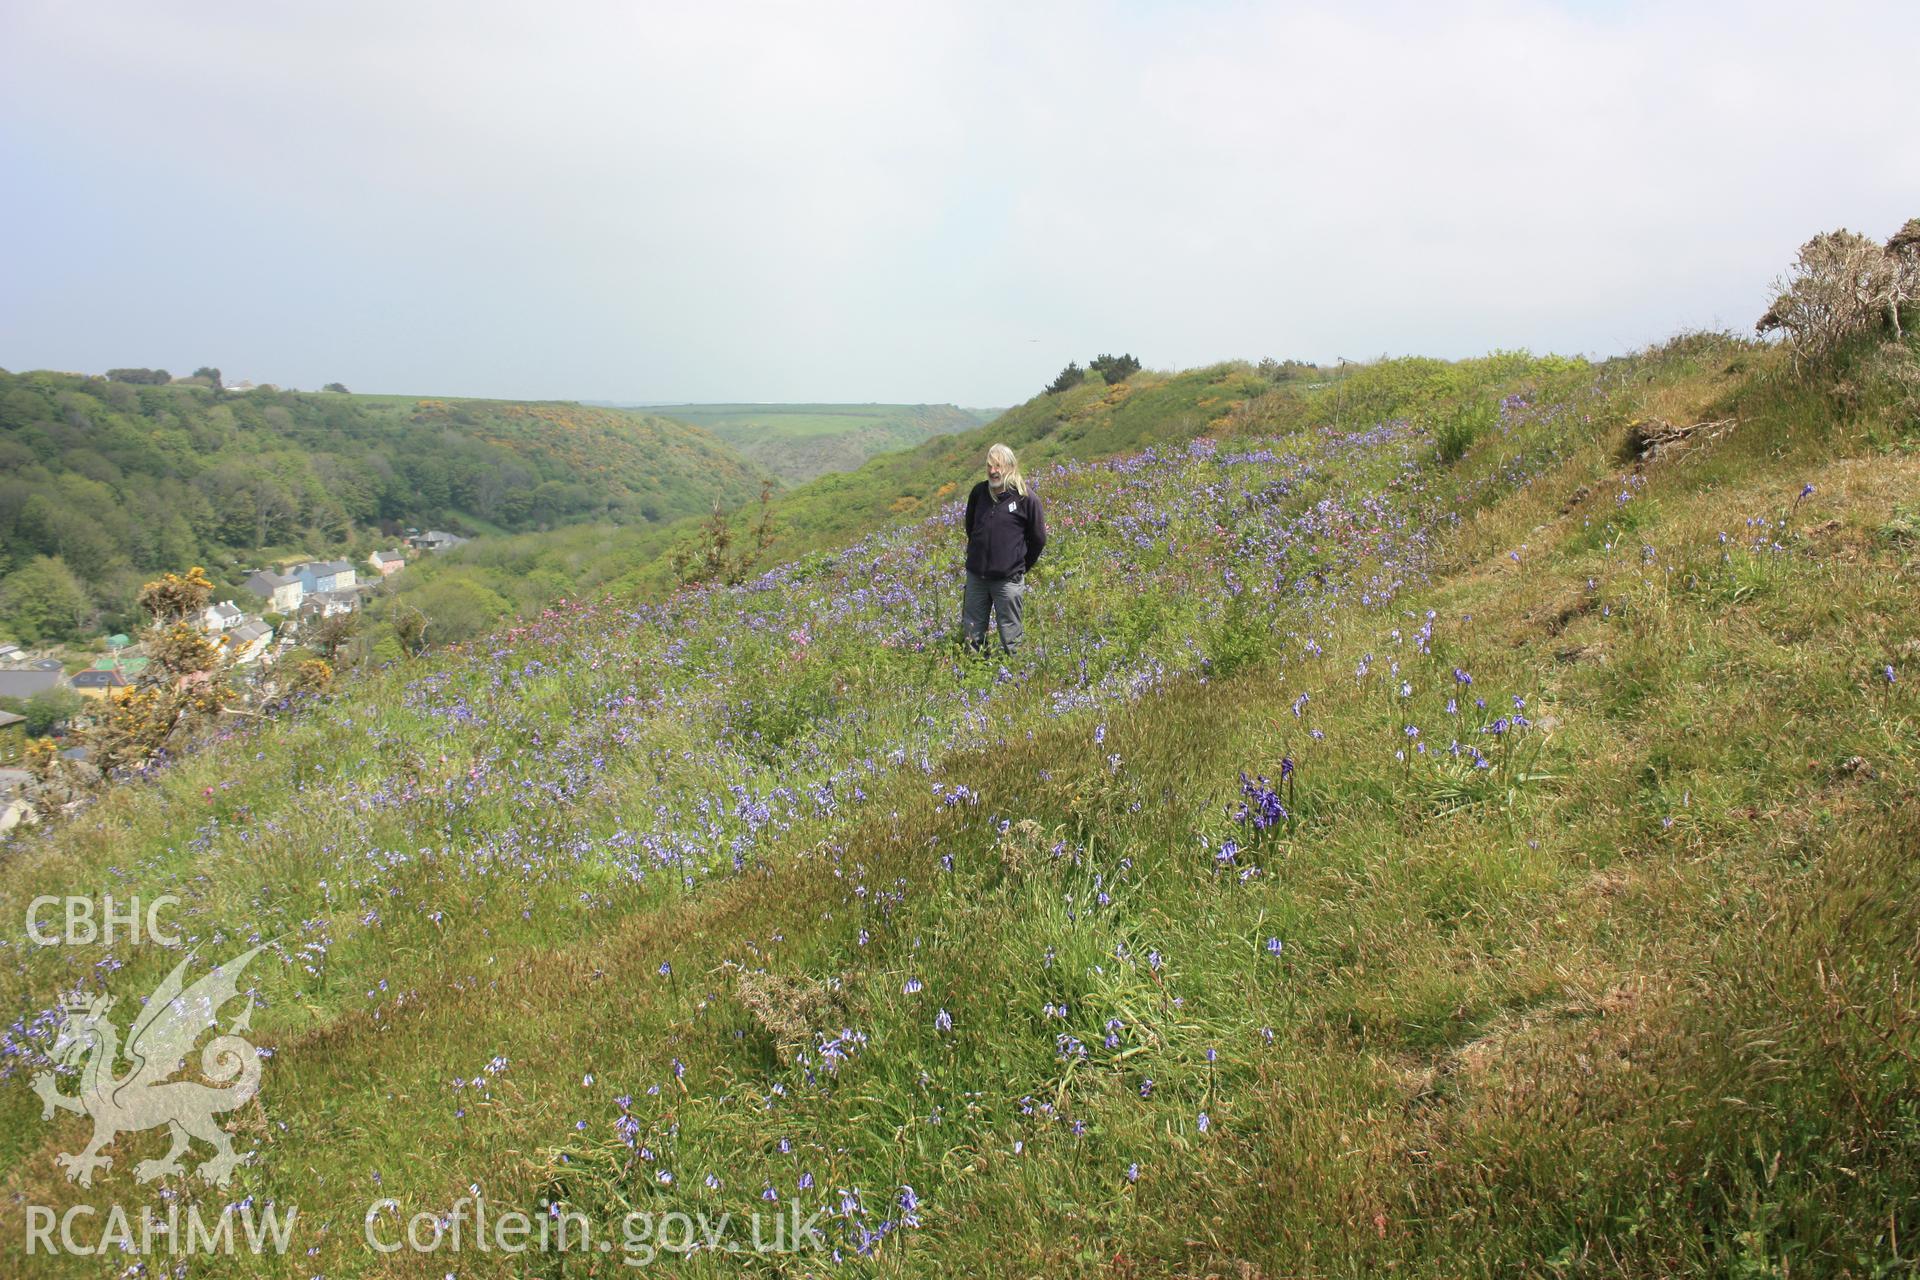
{"points": [[1505, 865], [1093, 420], [800, 441]]}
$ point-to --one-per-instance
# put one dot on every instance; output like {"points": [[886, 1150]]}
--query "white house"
{"points": [[327, 604], [222, 617], [249, 641]]}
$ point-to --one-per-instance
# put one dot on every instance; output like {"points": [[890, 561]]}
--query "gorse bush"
{"points": [[1843, 284]]}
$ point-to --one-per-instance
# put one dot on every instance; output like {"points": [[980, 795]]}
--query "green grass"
{"points": [[1636, 999]]}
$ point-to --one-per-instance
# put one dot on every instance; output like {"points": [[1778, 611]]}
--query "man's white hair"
{"points": [[1009, 467]]}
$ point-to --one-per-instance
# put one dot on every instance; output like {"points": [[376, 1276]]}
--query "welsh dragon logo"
{"points": [[145, 1097]]}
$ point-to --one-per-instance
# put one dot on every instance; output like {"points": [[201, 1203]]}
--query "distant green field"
{"points": [[800, 441]]}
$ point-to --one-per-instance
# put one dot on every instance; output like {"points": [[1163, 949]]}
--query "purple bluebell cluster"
{"points": [[1260, 806]]}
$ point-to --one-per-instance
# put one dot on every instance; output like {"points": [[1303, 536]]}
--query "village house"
{"points": [[317, 576], [98, 682], [248, 641], [281, 591], [327, 604], [224, 616], [387, 563], [436, 540], [129, 665]]}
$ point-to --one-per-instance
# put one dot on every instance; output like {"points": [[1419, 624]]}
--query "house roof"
{"points": [[24, 684], [96, 678], [264, 582], [249, 632], [10, 717], [388, 557]]}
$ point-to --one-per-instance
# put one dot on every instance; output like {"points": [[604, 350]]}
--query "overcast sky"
{"points": [[911, 202]]}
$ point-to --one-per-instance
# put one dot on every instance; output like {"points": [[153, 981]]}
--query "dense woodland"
{"points": [[104, 481]]}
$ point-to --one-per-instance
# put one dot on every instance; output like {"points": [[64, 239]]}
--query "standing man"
{"points": [[1006, 532]]}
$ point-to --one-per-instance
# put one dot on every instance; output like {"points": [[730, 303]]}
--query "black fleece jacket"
{"points": [[1005, 535]]}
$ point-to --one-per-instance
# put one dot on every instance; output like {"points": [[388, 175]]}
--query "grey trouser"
{"points": [[1003, 596]]}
